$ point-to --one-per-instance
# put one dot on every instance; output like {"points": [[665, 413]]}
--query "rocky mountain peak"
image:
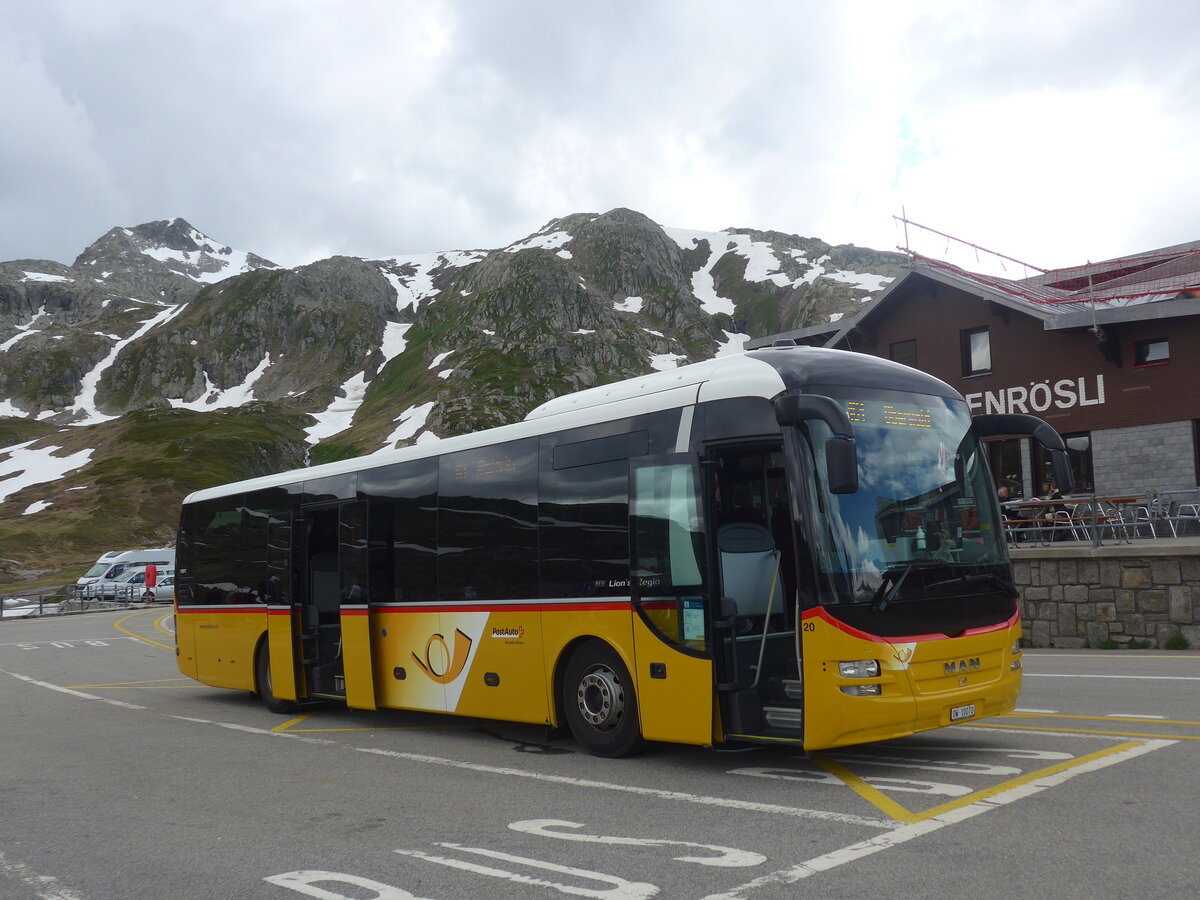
{"points": [[168, 258]]}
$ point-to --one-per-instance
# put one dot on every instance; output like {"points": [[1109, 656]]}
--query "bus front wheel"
{"points": [[600, 701], [263, 680]]}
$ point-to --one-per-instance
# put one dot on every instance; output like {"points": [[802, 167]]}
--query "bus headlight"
{"points": [[1016, 652], [859, 668], [862, 690]]}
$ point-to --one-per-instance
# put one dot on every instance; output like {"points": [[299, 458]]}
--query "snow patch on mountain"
{"points": [[413, 290], [762, 264], [661, 362], [339, 414], [703, 285], [215, 398], [43, 276], [734, 343], [861, 280], [209, 263], [85, 403], [24, 466], [24, 331], [394, 341], [411, 421], [552, 241]]}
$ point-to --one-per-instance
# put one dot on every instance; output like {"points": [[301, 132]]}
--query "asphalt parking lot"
{"points": [[126, 779]]}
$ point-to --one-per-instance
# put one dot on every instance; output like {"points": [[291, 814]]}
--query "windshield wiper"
{"points": [[885, 595], [992, 578]]}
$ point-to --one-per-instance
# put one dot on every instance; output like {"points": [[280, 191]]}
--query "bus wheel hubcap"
{"points": [[601, 698]]}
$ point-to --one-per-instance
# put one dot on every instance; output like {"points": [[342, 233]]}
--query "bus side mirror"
{"points": [[1042, 432], [1062, 471], [841, 453], [841, 460]]}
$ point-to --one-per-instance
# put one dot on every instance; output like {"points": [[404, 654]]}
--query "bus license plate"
{"points": [[958, 713]]}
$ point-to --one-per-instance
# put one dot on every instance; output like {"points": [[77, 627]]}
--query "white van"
{"points": [[98, 580]]}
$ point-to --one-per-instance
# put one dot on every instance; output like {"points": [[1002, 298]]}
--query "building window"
{"points": [[976, 352], [1079, 453], [1196, 447], [1005, 458], [1151, 353], [904, 352]]}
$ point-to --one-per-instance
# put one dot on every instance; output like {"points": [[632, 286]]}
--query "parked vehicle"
{"points": [[98, 581], [131, 586], [163, 591]]}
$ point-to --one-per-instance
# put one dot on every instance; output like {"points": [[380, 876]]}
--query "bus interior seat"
{"points": [[750, 569]]}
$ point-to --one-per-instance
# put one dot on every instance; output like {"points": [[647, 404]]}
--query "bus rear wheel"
{"points": [[600, 702], [262, 671]]}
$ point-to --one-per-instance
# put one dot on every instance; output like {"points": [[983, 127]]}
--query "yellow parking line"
{"points": [[158, 623], [136, 684], [1023, 779], [290, 722], [1097, 718], [133, 634], [872, 795], [289, 726], [890, 807], [381, 728], [1130, 734]]}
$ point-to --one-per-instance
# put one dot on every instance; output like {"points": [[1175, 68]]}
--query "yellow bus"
{"points": [[792, 545]]}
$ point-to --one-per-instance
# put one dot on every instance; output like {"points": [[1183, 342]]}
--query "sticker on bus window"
{"points": [[693, 619]]}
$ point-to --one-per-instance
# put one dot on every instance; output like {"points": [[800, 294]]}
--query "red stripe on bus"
{"points": [[224, 609], [583, 606], [820, 613]]}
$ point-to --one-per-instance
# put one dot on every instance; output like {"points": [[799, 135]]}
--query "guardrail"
{"points": [[28, 605], [1122, 517]]}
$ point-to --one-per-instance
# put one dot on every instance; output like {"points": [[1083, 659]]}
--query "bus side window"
{"points": [[487, 522]]}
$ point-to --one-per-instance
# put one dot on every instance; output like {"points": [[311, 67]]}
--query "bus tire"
{"points": [[600, 701], [262, 672]]}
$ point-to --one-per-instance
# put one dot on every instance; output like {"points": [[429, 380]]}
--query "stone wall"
{"points": [[1083, 597], [1144, 458]]}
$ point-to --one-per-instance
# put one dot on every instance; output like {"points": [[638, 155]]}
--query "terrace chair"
{"points": [[1139, 515], [1066, 523], [1012, 530], [1119, 522], [1161, 510], [1187, 511]]}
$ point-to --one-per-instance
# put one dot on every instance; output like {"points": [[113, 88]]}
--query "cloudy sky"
{"points": [[1053, 132]]}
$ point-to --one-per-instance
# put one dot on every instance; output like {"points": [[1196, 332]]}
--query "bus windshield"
{"points": [[925, 513]]}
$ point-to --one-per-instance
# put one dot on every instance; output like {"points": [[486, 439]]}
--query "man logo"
{"points": [[439, 664], [963, 665]]}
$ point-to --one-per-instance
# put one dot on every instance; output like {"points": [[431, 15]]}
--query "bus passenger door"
{"points": [[756, 642], [673, 672], [333, 624], [357, 668]]}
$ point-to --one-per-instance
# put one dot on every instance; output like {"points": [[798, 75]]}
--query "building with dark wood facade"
{"points": [[1105, 352]]}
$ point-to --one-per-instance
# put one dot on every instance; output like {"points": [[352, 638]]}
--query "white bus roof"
{"points": [[715, 379]]}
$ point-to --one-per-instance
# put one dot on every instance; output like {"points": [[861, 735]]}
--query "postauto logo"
{"points": [[440, 664]]}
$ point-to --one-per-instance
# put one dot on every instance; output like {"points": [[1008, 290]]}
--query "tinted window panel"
{"points": [[334, 487], [352, 553], [403, 531], [601, 450], [487, 523], [218, 551], [268, 536], [739, 417], [584, 525]]}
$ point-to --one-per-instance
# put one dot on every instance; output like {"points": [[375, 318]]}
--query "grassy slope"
{"points": [[142, 466]]}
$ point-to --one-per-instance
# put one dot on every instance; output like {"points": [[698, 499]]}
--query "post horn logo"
{"points": [[436, 660]]}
